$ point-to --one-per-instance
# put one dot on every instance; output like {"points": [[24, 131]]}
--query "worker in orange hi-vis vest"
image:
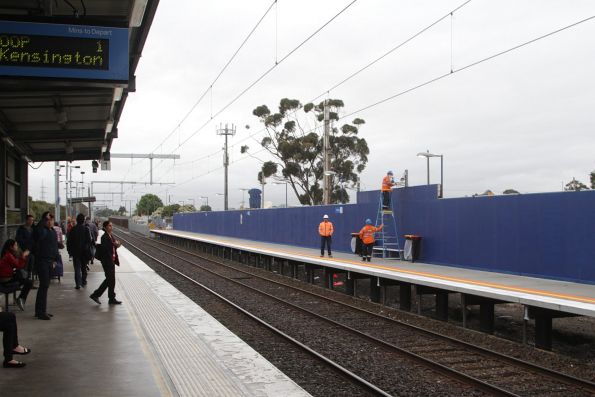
{"points": [[325, 229], [367, 236], [387, 183]]}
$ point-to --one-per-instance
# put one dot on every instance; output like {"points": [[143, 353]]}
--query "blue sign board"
{"points": [[63, 51]]}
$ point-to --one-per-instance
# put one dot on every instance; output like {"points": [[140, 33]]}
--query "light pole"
{"points": [[244, 190], [427, 155], [283, 183], [57, 181], [69, 183], [206, 198], [331, 184], [193, 202]]}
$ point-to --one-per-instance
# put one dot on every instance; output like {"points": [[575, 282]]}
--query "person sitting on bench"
{"points": [[10, 339], [12, 269]]}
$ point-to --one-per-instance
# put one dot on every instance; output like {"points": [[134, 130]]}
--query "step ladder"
{"points": [[387, 240]]}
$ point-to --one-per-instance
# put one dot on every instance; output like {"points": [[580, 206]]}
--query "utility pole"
{"points": [[326, 151], [226, 132], [42, 191], [57, 195]]}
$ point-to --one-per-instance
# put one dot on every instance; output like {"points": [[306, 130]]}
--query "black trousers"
{"points": [[44, 266], [325, 240], [10, 339], [386, 199], [110, 281], [367, 250]]}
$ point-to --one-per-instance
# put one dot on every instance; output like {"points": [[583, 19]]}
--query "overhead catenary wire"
{"points": [[440, 77], [390, 51], [468, 66], [210, 87], [475, 63], [269, 70], [263, 75]]}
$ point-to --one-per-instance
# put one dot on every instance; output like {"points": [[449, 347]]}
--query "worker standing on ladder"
{"points": [[368, 240], [325, 229], [387, 183]]}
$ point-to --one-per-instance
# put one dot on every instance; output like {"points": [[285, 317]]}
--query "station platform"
{"points": [[157, 343], [552, 295]]}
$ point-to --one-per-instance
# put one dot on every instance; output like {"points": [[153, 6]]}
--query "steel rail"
{"points": [[536, 369], [355, 378], [449, 372]]}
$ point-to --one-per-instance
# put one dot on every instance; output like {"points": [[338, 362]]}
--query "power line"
{"points": [[267, 72], [468, 66], [368, 65], [210, 87]]}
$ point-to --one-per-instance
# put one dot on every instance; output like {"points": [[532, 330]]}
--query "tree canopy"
{"points": [[293, 139], [147, 204], [510, 191], [575, 185]]}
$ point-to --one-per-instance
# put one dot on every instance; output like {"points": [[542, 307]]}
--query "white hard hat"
{"points": [[325, 217]]}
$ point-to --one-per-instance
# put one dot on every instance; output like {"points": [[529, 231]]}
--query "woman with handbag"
{"points": [[58, 271], [12, 269]]}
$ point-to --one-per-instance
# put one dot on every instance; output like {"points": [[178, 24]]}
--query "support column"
{"points": [[350, 284], [486, 317], [375, 289], [442, 305], [328, 277], [405, 296]]}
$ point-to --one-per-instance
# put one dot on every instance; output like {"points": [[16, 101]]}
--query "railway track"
{"points": [[482, 369]]}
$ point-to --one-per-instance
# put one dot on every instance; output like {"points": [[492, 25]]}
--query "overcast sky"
{"points": [[524, 120]]}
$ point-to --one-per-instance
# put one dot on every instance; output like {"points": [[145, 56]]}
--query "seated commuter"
{"points": [[10, 339], [12, 269]]}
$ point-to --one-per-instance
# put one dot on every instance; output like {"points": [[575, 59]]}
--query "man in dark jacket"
{"points": [[78, 245], [24, 238], [46, 256], [108, 257]]}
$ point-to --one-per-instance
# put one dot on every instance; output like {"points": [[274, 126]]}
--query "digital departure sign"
{"points": [[53, 52], [63, 51]]}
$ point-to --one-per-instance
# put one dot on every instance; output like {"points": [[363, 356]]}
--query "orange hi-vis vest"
{"points": [[367, 233], [325, 229], [387, 183]]}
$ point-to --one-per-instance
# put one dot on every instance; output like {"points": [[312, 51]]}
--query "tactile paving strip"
{"points": [[188, 361]]}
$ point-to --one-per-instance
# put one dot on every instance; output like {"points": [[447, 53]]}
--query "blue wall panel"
{"points": [[547, 235], [295, 226]]}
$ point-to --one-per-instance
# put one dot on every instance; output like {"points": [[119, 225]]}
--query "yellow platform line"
{"points": [[428, 274]]}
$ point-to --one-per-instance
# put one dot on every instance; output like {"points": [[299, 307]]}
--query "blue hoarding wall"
{"points": [[294, 226], [546, 235]]}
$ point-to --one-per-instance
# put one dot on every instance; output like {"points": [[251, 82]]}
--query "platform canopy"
{"points": [[66, 68]]}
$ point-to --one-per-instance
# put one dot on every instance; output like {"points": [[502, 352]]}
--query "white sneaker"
{"points": [[21, 304]]}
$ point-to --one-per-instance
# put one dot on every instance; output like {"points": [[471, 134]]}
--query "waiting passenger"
{"points": [[10, 339], [12, 269], [79, 243], [46, 256], [24, 237], [367, 236], [108, 255]]}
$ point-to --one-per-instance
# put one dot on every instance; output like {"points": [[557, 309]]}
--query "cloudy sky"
{"points": [[523, 120]]}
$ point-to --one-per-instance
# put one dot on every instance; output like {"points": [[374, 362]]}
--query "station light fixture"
{"points": [[137, 13], [8, 141], [109, 125], [118, 91]]}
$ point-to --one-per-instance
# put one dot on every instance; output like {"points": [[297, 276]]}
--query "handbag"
{"points": [[21, 274]]}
